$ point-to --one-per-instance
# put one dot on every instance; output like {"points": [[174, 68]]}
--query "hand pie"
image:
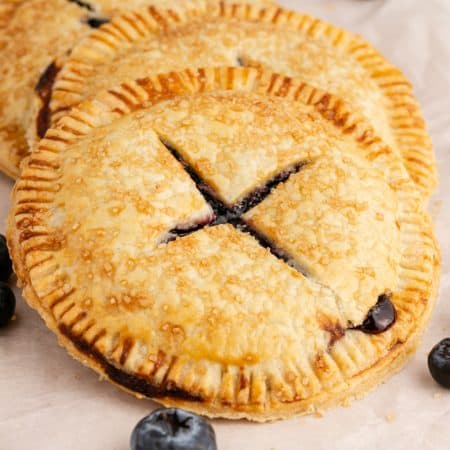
{"points": [[35, 36], [150, 41], [231, 241]]}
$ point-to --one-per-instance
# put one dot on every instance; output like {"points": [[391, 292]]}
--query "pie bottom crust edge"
{"points": [[417, 292], [357, 387]]}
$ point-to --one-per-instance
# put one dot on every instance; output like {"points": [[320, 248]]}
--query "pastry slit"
{"points": [[224, 214], [83, 4], [233, 215]]}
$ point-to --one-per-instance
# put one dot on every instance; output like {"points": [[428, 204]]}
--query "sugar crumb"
{"points": [[437, 395], [319, 413], [390, 417]]}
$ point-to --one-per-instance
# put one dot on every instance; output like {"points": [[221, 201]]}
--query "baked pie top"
{"points": [[116, 6], [33, 35], [156, 41], [24, 53], [220, 239]]}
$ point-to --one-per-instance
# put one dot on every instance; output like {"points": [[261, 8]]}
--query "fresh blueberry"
{"points": [[439, 362], [380, 317], [5, 260], [7, 304], [173, 429]]}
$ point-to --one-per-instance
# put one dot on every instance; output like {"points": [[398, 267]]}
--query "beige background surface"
{"points": [[49, 401]]}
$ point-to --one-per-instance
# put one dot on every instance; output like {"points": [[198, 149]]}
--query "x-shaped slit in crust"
{"points": [[233, 215], [379, 318]]}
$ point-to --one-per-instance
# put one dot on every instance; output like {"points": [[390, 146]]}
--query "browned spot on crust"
{"points": [[396, 344], [44, 90], [273, 79], [277, 15], [319, 363], [173, 15], [29, 234], [28, 222], [139, 384], [98, 336], [157, 16], [158, 362], [322, 105], [336, 330], [127, 346], [78, 318], [123, 99], [284, 88], [244, 382], [350, 129]]}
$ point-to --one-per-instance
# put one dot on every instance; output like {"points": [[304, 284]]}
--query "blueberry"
{"points": [[439, 362], [5, 260], [7, 304], [380, 317], [173, 429]]}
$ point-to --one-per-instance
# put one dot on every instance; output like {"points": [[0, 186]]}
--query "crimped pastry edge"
{"points": [[358, 387], [405, 114], [358, 384]]}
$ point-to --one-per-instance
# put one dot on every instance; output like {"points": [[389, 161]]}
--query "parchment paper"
{"points": [[49, 401]]}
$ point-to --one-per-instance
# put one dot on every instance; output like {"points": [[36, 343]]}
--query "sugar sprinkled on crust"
{"points": [[211, 321]]}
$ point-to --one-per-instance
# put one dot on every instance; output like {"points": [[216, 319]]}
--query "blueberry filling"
{"points": [[184, 231], [223, 212], [44, 90], [380, 317], [96, 22], [233, 215], [259, 194], [82, 4], [173, 429]]}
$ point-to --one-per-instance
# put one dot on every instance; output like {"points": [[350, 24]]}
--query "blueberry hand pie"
{"points": [[156, 41], [35, 36], [232, 241]]}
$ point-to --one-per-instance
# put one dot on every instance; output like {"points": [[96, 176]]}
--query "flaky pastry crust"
{"points": [[33, 35], [214, 320], [156, 41]]}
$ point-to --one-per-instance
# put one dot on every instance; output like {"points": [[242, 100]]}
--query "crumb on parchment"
{"points": [[319, 413], [391, 417]]}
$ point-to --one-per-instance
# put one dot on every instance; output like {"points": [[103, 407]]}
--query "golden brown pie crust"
{"points": [[34, 34], [341, 63], [251, 385]]}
